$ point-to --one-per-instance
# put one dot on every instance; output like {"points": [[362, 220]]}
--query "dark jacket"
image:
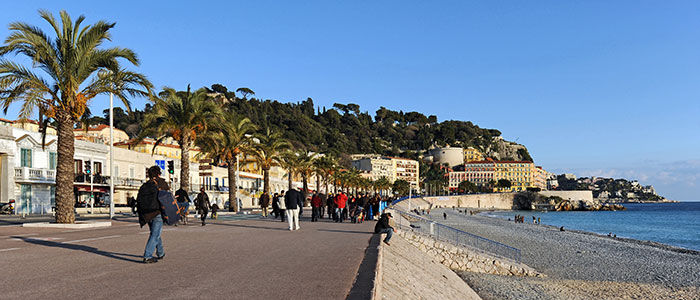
{"points": [[202, 201], [383, 223], [147, 201], [293, 199], [181, 196], [265, 200]]}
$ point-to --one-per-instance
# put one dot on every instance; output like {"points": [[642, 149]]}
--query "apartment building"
{"points": [[393, 168]]}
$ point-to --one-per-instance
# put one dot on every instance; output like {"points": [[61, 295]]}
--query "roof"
{"points": [[98, 128], [151, 142]]}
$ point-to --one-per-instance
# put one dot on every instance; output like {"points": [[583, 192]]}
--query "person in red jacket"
{"points": [[340, 201], [316, 204]]}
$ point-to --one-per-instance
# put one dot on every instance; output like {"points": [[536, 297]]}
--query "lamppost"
{"points": [[111, 156]]}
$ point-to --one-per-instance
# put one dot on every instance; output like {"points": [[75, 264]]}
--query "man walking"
{"points": [[264, 203], [384, 227], [340, 202], [293, 200], [202, 204], [149, 213], [183, 200], [316, 207]]}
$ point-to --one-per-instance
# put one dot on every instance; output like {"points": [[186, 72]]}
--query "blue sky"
{"points": [[606, 88]]}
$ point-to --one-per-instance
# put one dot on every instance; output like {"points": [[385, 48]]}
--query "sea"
{"points": [[675, 224]]}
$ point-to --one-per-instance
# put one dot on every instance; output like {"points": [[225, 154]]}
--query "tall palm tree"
{"points": [[306, 162], [290, 161], [69, 64], [183, 116], [267, 153], [224, 142]]}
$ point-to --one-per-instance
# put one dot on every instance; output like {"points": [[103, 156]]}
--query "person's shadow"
{"points": [[113, 255]]}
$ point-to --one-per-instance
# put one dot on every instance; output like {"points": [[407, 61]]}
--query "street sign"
{"points": [[160, 163]]}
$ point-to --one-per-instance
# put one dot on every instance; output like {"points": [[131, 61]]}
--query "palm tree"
{"points": [[70, 63], [182, 116], [267, 153], [306, 168], [224, 142], [290, 161]]}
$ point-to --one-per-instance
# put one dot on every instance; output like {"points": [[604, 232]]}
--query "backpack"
{"points": [[169, 208]]}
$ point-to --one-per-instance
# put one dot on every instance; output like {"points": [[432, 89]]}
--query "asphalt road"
{"points": [[227, 259]]}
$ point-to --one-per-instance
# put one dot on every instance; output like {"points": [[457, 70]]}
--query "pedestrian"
{"points": [[316, 207], [323, 204], [293, 200], [444, 215], [131, 202], [340, 203], [538, 220], [276, 205], [202, 204], [282, 205], [183, 200], [384, 227], [264, 203], [330, 202], [149, 213], [215, 209], [534, 220]]}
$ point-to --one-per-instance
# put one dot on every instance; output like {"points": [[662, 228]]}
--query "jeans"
{"points": [[389, 232], [315, 211], [155, 243], [339, 214], [204, 215], [293, 218]]}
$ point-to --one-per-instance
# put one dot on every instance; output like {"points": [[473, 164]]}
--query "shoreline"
{"points": [[571, 260]]}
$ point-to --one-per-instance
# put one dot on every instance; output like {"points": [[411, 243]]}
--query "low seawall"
{"points": [[478, 201], [459, 258]]}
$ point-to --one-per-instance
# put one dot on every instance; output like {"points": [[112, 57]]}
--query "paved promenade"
{"points": [[229, 258]]}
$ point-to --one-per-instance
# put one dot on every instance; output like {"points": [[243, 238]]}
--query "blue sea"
{"points": [[676, 224]]}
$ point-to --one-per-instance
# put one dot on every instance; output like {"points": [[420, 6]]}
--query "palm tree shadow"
{"points": [[113, 255]]}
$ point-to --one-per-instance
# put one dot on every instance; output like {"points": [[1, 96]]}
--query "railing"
{"points": [[25, 173], [410, 222]]}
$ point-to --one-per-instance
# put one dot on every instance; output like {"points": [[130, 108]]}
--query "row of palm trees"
{"points": [[69, 68]]}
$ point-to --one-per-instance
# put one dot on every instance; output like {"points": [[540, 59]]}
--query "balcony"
{"points": [[25, 174]]}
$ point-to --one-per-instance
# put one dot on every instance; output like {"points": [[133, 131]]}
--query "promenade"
{"points": [[230, 258]]}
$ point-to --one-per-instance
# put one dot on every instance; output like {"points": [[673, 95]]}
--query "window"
{"points": [[132, 172], [97, 166], [26, 158], [78, 166], [52, 160]]}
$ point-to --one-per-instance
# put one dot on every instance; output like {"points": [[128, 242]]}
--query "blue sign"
{"points": [[160, 163]]}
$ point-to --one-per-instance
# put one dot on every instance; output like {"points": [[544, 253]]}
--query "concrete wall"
{"points": [[586, 196], [464, 259]]}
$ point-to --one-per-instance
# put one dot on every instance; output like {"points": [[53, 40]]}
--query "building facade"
{"points": [[471, 154], [393, 168]]}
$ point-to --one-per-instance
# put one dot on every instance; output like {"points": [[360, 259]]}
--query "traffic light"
{"points": [[88, 168], [171, 167]]}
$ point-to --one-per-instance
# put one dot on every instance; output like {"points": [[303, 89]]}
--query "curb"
{"points": [[367, 285], [77, 225]]}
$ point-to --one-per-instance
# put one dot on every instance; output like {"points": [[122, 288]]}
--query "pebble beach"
{"points": [[580, 265]]}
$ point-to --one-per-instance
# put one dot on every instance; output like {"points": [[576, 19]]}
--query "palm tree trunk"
{"points": [[185, 164], [304, 179], [65, 174], [318, 183], [290, 176], [266, 180], [232, 187]]}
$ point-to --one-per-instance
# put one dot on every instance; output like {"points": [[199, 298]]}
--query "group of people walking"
{"points": [[289, 204]]}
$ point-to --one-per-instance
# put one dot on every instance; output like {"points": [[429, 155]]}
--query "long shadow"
{"points": [[93, 250], [346, 231], [248, 226]]}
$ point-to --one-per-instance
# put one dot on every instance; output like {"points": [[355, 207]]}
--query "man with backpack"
{"points": [[149, 213]]}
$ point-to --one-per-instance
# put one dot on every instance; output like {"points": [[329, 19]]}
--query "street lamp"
{"points": [[111, 156]]}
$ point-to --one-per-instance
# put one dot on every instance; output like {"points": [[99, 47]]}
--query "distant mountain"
{"points": [[611, 189]]}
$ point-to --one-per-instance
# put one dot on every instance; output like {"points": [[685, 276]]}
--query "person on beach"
{"points": [[202, 204], [183, 200], [538, 220], [383, 226], [444, 215], [293, 199], [149, 213], [264, 203]]}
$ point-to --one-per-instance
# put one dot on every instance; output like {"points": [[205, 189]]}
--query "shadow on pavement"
{"points": [[94, 250], [247, 226], [346, 231]]}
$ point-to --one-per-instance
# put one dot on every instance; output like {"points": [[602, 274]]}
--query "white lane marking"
{"points": [[8, 249], [18, 235], [92, 239]]}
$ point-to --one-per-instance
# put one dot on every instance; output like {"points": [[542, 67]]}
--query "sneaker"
{"points": [[387, 243], [298, 228], [150, 260], [290, 229], [161, 257]]}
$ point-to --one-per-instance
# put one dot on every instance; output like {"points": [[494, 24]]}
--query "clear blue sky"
{"points": [[590, 87]]}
